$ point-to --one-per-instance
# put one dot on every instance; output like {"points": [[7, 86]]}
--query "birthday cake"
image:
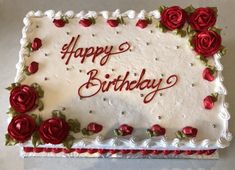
{"points": [[119, 83]]}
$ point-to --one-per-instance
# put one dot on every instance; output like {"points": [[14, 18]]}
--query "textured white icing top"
{"points": [[161, 54]]}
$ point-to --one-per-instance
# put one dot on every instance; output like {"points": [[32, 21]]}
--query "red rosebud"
{"points": [[173, 17], [36, 44], [113, 22], [94, 127], [158, 129], [142, 23], [202, 19], [207, 43], [189, 131], [33, 67], [59, 22], [85, 22], [208, 74], [125, 129], [208, 102]]}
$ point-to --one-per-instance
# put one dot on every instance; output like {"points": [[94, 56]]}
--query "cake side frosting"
{"points": [[220, 138]]}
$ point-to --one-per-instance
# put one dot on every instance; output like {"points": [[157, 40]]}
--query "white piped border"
{"points": [[122, 143]]}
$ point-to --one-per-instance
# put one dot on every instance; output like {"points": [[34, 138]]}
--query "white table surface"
{"points": [[11, 15]]}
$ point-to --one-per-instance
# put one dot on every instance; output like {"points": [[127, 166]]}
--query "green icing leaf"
{"points": [[62, 116], [40, 105], [9, 88], [36, 139], [29, 47], [179, 135], [37, 118], [215, 96], [203, 59], [121, 20], [38, 88], [180, 32], [217, 30], [65, 19], [215, 10], [161, 8], [12, 86], [85, 132], [74, 125], [117, 132], [149, 19], [190, 31], [12, 112], [149, 133], [68, 142], [189, 9], [92, 19], [223, 51], [9, 141]]}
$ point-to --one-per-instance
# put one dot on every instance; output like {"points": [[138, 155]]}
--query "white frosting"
{"points": [[179, 106]]}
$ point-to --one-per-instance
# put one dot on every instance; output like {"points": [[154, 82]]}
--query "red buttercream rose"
{"points": [[207, 43], [54, 130], [23, 98], [36, 44], [21, 127], [173, 17], [202, 19]]}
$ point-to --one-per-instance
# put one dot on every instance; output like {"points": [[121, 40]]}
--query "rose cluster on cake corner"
{"points": [[206, 39]]}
